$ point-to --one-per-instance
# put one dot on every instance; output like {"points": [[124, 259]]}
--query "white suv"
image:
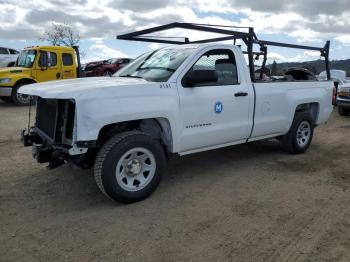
{"points": [[8, 56]]}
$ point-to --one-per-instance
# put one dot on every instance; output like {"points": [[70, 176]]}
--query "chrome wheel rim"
{"points": [[23, 99], [135, 169], [303, 133]]}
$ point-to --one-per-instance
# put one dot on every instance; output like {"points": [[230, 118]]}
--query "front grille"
{"points": [[46, 116], [55, 119]]}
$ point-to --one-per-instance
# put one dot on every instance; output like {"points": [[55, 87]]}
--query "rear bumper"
{"points": [[5, 91], [343, 102]]}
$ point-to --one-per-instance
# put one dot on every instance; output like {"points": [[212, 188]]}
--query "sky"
{"points": [[307, 22]]}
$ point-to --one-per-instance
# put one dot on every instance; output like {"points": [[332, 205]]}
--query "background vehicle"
{"points": [[181, 99], [343, 90], [105, 67], [8, 56], [338, 76], [343, 99], [38, 64]]}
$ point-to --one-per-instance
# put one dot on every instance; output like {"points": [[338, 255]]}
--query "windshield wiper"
{"points": [[131, 76], [157, 67]]}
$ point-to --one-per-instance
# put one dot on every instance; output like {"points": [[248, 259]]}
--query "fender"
{"points": [[93, 113]]}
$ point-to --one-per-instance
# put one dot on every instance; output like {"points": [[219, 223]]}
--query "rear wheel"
{"points": [[299, 137], [18, 98], [129, 166], [343, 111]]}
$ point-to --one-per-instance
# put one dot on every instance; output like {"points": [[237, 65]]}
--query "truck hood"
{"points": [[9, 71], [86, 87]]}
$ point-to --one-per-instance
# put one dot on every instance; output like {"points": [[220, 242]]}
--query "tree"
{"points": [[274, 68], [61, 35]]}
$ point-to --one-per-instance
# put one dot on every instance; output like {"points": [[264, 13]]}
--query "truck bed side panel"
{"points": [[276, 103]]}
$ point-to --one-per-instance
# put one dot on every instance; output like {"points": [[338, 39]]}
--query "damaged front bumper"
{"points": [[45, 152]]}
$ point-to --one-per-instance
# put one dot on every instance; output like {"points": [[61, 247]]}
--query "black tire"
{"points": [[15, 97], [108, 73], [5, 98], [111, 155], [343, 111], [292, 142]]}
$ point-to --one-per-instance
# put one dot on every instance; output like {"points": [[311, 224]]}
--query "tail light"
{"points": [[334, 96]]}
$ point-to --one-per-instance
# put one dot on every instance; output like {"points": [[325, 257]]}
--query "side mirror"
{"points": [[43, 61], [200, 77]]}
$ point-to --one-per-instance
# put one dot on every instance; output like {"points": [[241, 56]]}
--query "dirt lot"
{"points": [[246, 203]]}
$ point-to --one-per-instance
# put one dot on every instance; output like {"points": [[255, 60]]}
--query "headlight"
{"points": [[5, 80], [342, 91]]}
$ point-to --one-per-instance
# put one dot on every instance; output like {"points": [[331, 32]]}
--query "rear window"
{"points": [[67, 59]]}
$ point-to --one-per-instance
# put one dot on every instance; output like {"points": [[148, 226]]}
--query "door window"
{"points": [[223, 62], [47, 59], [51, 59], [67, 59], [13, 52], [3, 51]]}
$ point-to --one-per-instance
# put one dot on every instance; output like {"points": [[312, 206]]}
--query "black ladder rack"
{"points": [[249, 38]]}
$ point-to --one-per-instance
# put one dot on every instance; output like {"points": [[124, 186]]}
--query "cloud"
{"points": [[140, 5], [275, 56], [312, 53], [306, 8], [303, 21], [101, 51], [344, 39]]}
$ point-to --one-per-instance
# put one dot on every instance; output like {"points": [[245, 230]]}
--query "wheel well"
{"points": [[312, 108], [158, 128], [25, 81]]}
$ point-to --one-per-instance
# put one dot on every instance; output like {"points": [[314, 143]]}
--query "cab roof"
{"points": [[48, 47]]}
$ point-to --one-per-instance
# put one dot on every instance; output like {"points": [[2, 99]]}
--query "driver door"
{"points": [[214, 113], [50, 70]]}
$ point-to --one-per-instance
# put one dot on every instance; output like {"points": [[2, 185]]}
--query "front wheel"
{"points": [[18, 98], [5, 98], [299, 136], [129, 166]]}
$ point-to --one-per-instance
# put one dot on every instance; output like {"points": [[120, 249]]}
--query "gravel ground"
{"points": [[246, 203]]}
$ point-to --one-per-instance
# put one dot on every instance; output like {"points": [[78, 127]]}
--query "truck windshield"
{"points": [[26, 58], [157, 66]]}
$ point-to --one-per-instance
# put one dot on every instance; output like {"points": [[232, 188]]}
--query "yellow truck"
{"points": [[38, 64]]}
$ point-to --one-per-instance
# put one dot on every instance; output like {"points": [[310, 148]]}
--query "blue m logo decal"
{"points": [[218, 107]]}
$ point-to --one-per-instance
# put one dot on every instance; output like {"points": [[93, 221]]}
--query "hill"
{"points": [[316, 66]]}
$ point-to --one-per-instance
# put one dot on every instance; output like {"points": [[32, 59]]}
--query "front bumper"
{"points": [[44, 151], [343, 102], [5, 91]]}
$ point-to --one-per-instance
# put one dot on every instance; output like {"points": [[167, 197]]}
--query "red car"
{"points": [[105, 67]]}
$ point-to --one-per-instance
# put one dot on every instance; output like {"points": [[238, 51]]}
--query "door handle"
{"points": [[241, 94], [58, 75]]}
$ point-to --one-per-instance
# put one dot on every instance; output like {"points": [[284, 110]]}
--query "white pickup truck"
{"points": [[8, 56], [176, 100]]}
